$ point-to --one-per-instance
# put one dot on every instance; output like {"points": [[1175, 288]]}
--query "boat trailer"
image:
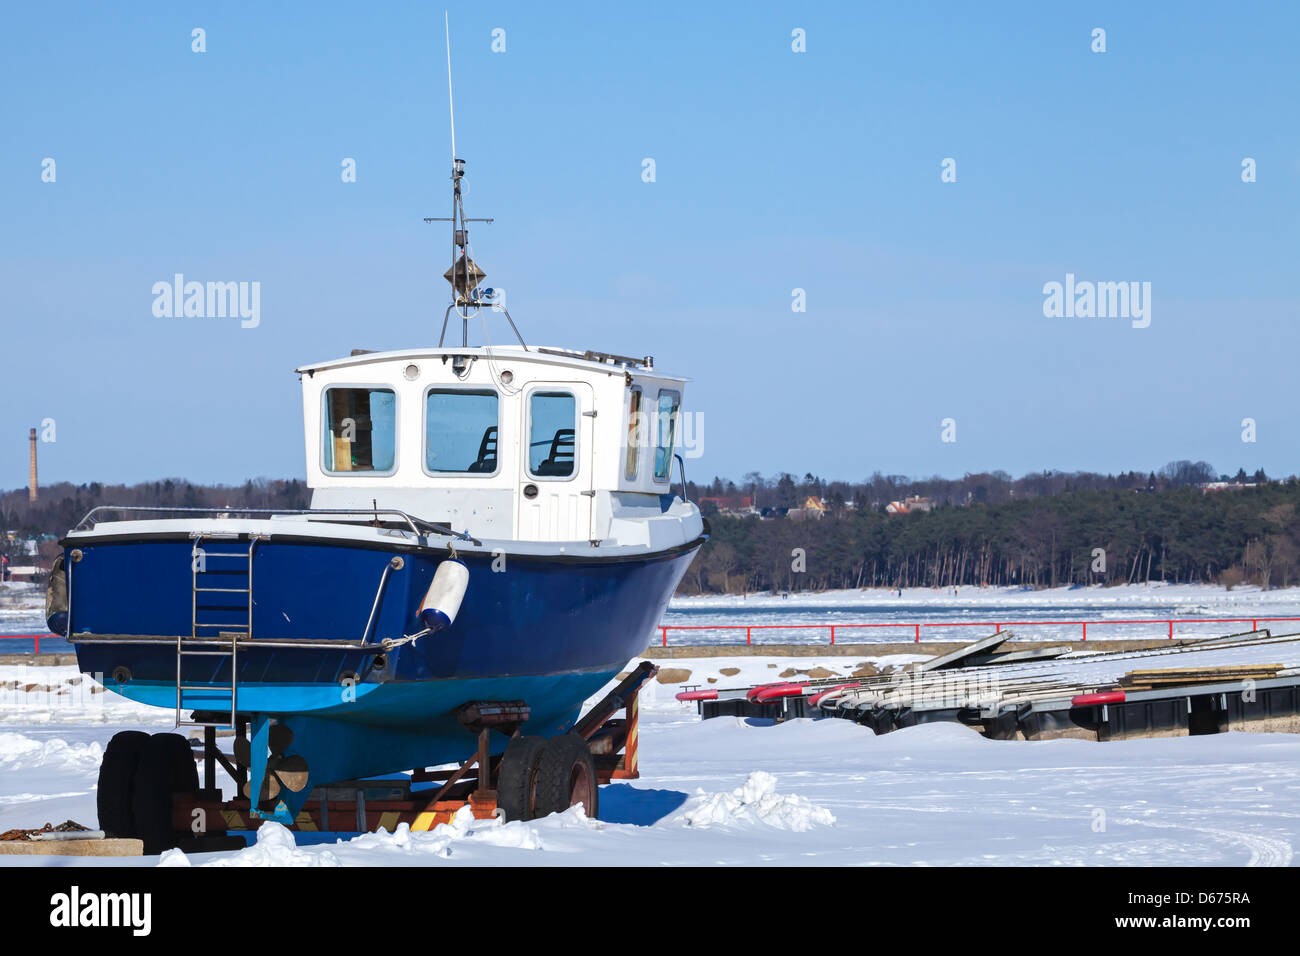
{"points": [[505, 785]]}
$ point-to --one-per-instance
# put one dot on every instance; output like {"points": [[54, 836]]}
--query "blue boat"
{"points": [[488, 523]]}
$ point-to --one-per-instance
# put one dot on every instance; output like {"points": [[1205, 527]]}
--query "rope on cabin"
{"points": [[492, 365]]}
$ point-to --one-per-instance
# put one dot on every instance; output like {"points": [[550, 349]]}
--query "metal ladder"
{"points": [[233, 631]]}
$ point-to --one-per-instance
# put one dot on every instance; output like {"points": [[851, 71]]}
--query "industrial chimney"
{"points": [[31, 483]]}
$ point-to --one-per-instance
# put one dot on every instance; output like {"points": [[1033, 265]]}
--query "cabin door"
{"points": [[556, 499]]}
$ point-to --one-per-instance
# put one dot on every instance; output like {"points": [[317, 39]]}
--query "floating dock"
{"points": [[1238, 682]]}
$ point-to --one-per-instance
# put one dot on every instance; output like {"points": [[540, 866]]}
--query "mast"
{"points": [[464, 275]]}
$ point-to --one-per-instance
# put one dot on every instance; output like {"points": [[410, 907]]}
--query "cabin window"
{"points": [[552, 431], [461, 428], [360, 430], [666, 416], [633, 434]]}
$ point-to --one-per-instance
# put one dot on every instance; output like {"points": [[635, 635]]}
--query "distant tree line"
{"points": [[786, 491], [1055, 530], [60, 506], [1042, 530]]}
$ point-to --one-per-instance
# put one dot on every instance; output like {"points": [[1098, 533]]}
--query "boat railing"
{"points": [[418, 526], [681, 464]]}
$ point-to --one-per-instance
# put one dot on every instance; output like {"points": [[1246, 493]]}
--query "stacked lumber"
{"points": [[1184, 676]]}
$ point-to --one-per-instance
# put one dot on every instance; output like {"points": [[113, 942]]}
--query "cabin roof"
{"points": [[587, 361]]}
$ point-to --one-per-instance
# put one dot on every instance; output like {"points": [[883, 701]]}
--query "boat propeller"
{"points": [[282, 772]]}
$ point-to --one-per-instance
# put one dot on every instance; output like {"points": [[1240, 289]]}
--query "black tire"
{"points": [[516, 777], [113, 797], [566, 775], [166, 768]]}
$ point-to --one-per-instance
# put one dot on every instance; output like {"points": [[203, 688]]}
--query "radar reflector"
{"points": [[464, 276]]}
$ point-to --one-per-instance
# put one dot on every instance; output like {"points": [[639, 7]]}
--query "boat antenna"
{"points": [[464, 275], [451, 109]]}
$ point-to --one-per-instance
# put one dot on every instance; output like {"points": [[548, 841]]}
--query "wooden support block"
{"points": [[483, 804], [107, 847]]}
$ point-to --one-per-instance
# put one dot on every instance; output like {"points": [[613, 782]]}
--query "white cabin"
{"points": [[505, 443]]}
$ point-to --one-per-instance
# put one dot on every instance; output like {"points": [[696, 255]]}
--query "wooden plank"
{"points": [[970, 650], [1217, 669], [107, 847], [1011, 657], [1185, 677]]}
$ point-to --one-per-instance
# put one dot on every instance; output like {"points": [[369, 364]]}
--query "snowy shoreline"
{"points": [[1154, 595]]}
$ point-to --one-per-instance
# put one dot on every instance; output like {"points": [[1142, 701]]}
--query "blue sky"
{"points": [[775, 170]]}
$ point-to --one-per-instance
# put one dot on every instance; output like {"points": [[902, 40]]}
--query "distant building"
{"points": [[813, 507], [1209, 486], [908, 505], [731, 505]]}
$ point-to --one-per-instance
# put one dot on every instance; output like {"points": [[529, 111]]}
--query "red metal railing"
{"points": [[914, 630], [23, 637]]}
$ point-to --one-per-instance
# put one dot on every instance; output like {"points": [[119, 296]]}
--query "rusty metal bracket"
{"points": [[615, 700], [493, 714]]}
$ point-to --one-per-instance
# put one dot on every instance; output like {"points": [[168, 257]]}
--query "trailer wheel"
{"points": [[166, 768], [117, 783], [566, 776], [516, 781]]}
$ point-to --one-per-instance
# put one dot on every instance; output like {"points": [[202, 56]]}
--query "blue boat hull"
{"points": [[546, 630]]}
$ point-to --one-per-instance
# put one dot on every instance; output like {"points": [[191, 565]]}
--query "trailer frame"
{"points": [[372, 804]]}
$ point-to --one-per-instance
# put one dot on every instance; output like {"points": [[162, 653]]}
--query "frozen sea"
{"points": [[886, 616], [878, 616]]}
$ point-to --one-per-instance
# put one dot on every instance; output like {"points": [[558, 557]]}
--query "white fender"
{"points": [[442, 601]]}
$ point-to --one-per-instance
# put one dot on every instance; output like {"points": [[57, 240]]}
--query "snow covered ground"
{"points": [[732, 791]]}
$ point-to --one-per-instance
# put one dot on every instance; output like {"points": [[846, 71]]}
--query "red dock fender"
{"points": [[816, 698], [697, 695], [1090, 700], [761, 695]]}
